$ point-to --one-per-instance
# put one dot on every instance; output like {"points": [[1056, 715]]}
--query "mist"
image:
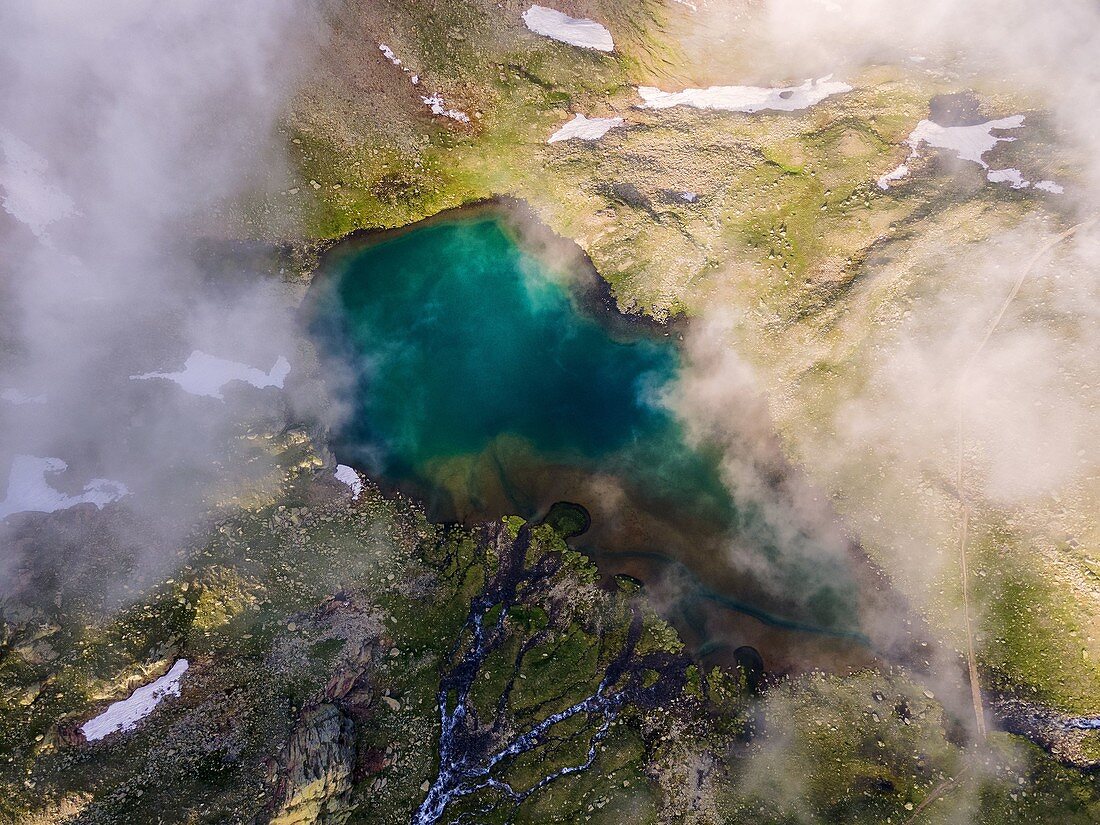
{"points": [[128, 129], [972, 387]]}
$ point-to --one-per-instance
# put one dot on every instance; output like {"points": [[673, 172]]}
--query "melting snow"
{"points": [[588, 34], [28, 195], [747, 99], [30, 492], [1050, 186], [390, 56], [968, 143], [585, 128], [1014, 177], [351, 478], [125, 714], [204, 374], [439, 107], [898, 174], [434, 101]]}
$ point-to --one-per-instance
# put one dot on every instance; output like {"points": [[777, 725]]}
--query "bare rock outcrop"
{"points": [[316, 783]]}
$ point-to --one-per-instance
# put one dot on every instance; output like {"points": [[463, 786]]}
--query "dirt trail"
{"points": [[964, 503]]}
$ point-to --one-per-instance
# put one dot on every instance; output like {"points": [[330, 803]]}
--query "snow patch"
{"points": [[585, 128], [348, 476], [746, 99], [1013, 177], [433, 101], [436, 103], [967, 142], [207, 375], [1050, 186], [28, 195], [126, 713], [390, 56], [576, 31], [898, 174], [30, 492]]}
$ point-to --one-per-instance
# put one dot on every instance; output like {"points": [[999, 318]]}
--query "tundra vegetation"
{"points": [[332, 641]]}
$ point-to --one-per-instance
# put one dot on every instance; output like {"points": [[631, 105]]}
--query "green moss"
{"points": [[659, 635], [1030, 639], [514, 524], [568, 519], [854, 757]]}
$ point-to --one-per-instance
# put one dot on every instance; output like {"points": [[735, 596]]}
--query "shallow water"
{"points": [[490, 380]]}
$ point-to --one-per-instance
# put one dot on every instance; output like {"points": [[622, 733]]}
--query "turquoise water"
{"points": [[484, 385], [467, 348]]}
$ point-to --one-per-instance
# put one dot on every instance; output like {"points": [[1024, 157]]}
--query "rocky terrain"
{"points": [[829, 287], [352, 662], [331, 640]]}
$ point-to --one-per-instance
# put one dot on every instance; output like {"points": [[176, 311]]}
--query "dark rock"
{"points": [[1048, 729], [629, 194], [315, 785], [959, 109]]}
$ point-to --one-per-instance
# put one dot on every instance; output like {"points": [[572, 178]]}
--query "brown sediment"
{"points": [[682, 557]]}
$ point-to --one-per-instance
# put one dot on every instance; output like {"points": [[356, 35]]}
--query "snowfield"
{"points": [[348, 476], [207, 375], [126, 713], [585, 128], [587, 34], [969, 143], [747, 99], [1050, 186], [29, 491], [1013, 177]]}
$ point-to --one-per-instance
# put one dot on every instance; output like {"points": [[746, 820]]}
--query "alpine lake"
{"points": [[487, 372]]}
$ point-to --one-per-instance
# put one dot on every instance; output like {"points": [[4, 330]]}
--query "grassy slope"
{"points": [[252, 611], [789, 231]]}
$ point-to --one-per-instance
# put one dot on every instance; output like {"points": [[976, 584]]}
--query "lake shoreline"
{"points": [[591, 291], [674, 531]]}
